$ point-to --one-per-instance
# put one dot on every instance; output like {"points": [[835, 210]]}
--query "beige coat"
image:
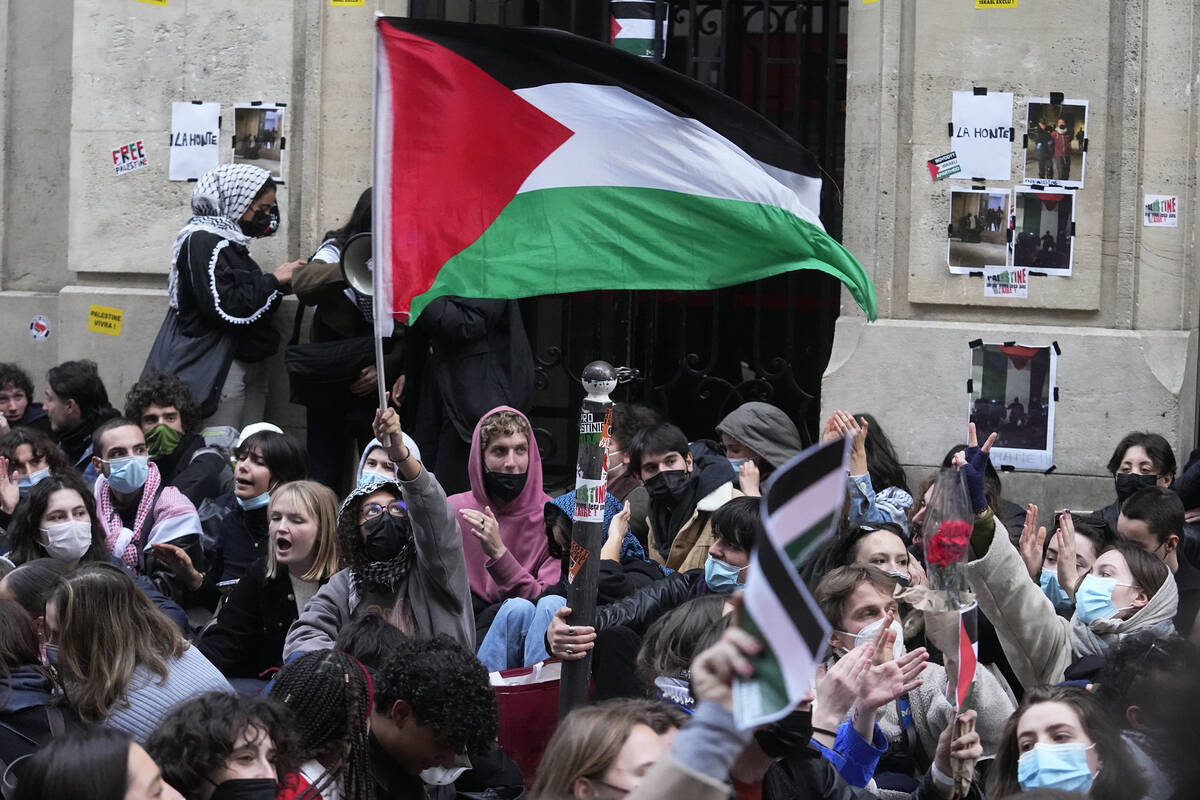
{"points": [[689, 550]]}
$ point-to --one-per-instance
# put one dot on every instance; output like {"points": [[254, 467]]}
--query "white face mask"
{"points": [[440, 776], [868, 634], [68, 541]]}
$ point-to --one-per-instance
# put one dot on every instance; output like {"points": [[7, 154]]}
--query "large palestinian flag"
{"points": [[513, 162]]}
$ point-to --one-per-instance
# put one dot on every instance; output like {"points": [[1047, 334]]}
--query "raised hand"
{"points": [[714, 669], [1068, 570], [485, 529], [10, 491], [1033, 540]]}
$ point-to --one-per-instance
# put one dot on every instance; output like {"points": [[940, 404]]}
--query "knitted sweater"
{"points": [[146, 702]]}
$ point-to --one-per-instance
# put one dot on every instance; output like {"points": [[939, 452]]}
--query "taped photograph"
{"points": [[1011, 393], [1055, 134], [977, 230], [258, 137], [1043, 230]]}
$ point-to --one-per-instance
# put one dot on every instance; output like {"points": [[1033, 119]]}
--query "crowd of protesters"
{"points": [[195, 604]]}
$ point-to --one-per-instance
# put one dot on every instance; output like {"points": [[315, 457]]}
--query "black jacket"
{"points": [[28, 717], [34, 417], [478, 358], [640, 609], [198, 475], [242, 539], [247, 637], [227, 291]]}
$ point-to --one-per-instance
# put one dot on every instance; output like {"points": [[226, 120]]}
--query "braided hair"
{"points": [[330, 695]]}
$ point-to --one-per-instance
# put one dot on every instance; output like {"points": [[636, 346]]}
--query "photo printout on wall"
{"points": [[977, 231], [1055, 135], [1043, 236], [1011, 393], [258, 137]]}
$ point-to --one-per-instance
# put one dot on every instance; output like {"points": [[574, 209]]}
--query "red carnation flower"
{"points": [[949, 544]]}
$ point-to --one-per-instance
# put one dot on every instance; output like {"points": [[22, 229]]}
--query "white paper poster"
{"points": [[195, 132], [1161, 211], [982, 131]]}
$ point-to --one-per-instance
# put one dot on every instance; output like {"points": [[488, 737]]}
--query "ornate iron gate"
{"points": [[697, 355]]}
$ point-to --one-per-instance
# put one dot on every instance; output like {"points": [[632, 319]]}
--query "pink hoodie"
{"points": [[527, 568]]}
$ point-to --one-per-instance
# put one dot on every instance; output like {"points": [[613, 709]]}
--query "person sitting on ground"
{"points": [[502, 517], [878, 488], [604, 750], [433, 703], [619, 627], [759, 439], [266, 459], [403, 553], [1140, 460], [1010, 513], [1152, 519], [99, 764], [247, 637], [16, 407], [858, 601], [27, 456], [29, 714], [138, 509], [628, 420], [122, 662], [684, 493], [76, 402], [1060, 738], [1042, 555], [169, 416], [220, 745], [58, 520], [673, 641], [30, 585], [330, 695], [516, 637], [375, 464]]}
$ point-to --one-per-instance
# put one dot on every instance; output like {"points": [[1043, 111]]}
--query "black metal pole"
{"points": [[587, 531]]}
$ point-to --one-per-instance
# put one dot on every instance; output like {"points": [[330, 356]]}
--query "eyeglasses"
{"points": [[372, 510]]}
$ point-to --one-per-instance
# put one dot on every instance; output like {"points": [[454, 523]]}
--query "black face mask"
{"points": [[668, 486], [264, 223], [246, 789], [1128, 483], [384, 536], [782, 738], [504, 486]]}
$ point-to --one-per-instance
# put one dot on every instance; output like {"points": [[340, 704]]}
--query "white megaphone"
{"points": [[357, 265]]}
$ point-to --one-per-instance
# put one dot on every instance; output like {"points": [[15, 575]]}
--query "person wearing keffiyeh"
{"points": [[215, 284]]}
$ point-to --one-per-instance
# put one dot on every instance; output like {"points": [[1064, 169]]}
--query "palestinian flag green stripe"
{"points": [[630, 236]]}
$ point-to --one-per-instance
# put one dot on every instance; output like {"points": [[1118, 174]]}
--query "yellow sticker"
{"points": [[102, 319], [869, 2], [995, 3], [154, 2], [347, 2]]}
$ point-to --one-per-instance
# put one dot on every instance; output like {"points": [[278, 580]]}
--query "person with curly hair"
{"points": [[17, 408], [219, 745], [433, 702], [330, 696], [27, 456], [402, 553], [168, 414]]}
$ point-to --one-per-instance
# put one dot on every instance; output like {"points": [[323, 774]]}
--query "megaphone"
{"points": [[357, 265]]}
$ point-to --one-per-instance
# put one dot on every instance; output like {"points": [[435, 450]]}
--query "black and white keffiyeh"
{"points": [[219, 200]]}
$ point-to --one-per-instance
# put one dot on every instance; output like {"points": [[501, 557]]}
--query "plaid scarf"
{"points": [[219, 200], [387, 574], [111, 520]]}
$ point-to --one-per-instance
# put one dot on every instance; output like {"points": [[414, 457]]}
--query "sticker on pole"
{"points": [[589, 500]]}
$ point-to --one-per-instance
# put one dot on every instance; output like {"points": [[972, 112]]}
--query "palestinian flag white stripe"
{"points": [[621, 139], [635, 29]]}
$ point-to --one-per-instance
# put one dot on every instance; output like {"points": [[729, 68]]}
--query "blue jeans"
{"points": [[517, 637]]}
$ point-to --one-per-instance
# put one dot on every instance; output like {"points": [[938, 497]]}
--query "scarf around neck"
{"points": [[1157, 616]]}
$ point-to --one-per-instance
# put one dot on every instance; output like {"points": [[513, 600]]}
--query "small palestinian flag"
{"points": [[968, 657], [800, 509], [514, 162], [633, 23]]}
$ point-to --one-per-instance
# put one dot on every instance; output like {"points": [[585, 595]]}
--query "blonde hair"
{"points": [[320, 504], [589, 739], [502, 423], [107, 627]]}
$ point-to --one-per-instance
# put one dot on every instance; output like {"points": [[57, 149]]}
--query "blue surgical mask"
{"points": [[1051, 588], [127, 475], [27, 482], [254, 502], [51, 651], [1055, 766], [1093, 599], [371, 478], [736, 463], [722, 578]]}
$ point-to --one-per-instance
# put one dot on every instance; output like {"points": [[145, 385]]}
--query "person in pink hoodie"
{"points": [[501, 518]]}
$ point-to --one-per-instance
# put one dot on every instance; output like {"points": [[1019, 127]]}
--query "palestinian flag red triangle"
{"points": [[614, 29], [468, 144]]}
